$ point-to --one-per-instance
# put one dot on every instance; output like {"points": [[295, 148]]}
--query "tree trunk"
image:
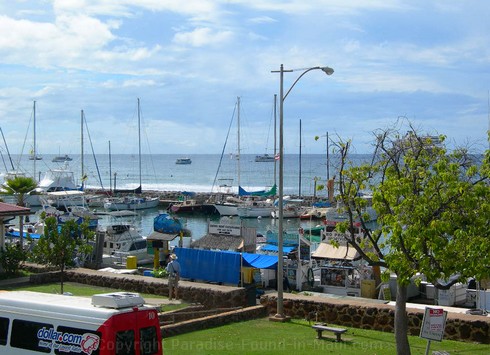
{"points": [[61, 279], [401, 321]]}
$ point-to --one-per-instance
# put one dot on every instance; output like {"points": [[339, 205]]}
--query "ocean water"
{"points": [[205, 174]]}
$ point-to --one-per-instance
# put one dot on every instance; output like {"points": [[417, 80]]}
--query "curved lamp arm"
{"points": [[326, 70]]}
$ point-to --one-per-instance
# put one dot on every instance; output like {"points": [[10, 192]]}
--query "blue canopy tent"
{"points": [[220, 266], [259, 261]]}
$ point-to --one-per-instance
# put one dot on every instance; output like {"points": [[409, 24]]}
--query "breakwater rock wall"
{"points": [[375, 316]]}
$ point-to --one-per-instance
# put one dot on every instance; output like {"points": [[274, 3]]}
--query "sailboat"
{"points": [[133, 202], [53, 181], [251, 201], [34, 157], [229, 205], [268, 158]]}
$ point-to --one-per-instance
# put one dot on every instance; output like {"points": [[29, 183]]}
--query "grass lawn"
{"points": [[297, 337], [77, 289]]}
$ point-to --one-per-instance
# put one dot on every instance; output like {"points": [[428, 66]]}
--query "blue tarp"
{"points": [[16, 234], [272, 247], [164, 223], [209, 265], [219, 266], [260, 261]]}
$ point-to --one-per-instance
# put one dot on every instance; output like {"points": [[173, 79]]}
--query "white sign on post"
{"points": [[224, 229], [433, 324]]}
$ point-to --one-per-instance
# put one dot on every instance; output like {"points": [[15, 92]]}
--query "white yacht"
{"points": [[122, 240], [62, 179]]}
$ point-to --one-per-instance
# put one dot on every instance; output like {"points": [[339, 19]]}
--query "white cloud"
{"points": [[202, 37], [262, 19]]}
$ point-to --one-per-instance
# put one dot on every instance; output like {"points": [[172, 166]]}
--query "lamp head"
{"points": [[327, 70]]}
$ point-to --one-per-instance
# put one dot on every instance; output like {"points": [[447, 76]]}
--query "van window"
{"points": [[125, 342], [148, 341], [25, 336], [4, 330]]}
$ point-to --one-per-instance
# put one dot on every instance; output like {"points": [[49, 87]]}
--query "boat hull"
{"points": [[254, 211], [226, 209], [138, 204]]}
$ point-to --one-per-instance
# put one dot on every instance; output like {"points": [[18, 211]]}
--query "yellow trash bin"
{"points": [[368, 289], [131, 262]]}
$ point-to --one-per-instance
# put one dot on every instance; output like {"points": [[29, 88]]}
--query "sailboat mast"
{"points": [[238, 140], [81, 149], [299, 187], [34, 142], [110, 168], [139, 140], [8, 152], [275, 138]]}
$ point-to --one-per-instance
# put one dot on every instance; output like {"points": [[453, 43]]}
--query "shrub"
{"points": [[11, 256]]}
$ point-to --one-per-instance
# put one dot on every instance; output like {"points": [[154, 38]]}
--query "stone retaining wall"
{"points": [[375, 316], [214, 321], [209, 295]]}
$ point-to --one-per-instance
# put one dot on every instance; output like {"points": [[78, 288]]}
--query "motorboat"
{"points": [[187, 204], [61, 158], [61, 179], [122, 240], [76, 213], [183, 161], [265, 158]]}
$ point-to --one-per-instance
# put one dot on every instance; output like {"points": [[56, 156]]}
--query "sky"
{"points": [[424, 63]]}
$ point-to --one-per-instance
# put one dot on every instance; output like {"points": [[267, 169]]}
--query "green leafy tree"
{"points": [[433, 213], [60, 247], [19, 186]]}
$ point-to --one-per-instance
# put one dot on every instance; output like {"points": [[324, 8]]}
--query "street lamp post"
{"points": [[280, 265]]}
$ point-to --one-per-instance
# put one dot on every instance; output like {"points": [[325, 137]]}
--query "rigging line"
{"points": [[8, 153], [224, 147], [269, 129], [93, 152], [3, 160], [148, 144], [25, 139]]}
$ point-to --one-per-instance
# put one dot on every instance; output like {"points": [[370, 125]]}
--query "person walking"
{"points": [[173, 269]]}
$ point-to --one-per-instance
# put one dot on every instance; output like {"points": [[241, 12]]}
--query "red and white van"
{"points": [[113, 323]]}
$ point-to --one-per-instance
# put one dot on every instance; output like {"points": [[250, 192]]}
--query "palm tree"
{"points": [[19, 186]]}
